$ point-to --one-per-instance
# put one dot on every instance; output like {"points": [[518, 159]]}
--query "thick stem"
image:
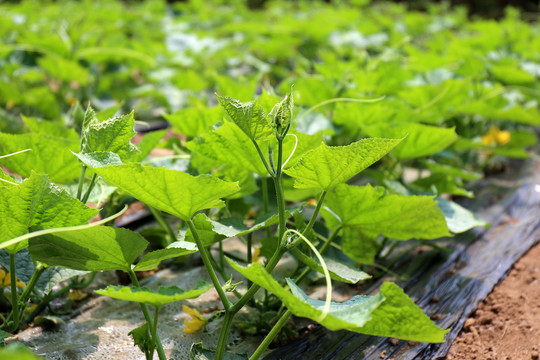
{"points": [[271, 335], [90, 188], [33, 280], [81, 182], [14, 297], [164, 224], [224, 334], [148, 318], [208, 264]]}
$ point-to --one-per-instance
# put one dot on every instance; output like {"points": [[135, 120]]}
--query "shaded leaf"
{"points": [[152, 259], [164, 295], [92, 249]]}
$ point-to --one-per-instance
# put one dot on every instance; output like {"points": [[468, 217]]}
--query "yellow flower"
{"points": [[495, 136], [312, 202], [5, 280], [196, 323], [256, 255]]}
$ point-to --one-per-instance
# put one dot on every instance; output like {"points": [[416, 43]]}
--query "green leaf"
{"points": [[368, 212], [328, 166], [148, 143], [63, 69], [389, 313], [92, 249], [142, 339], [192, 122], [51, 128], [165, 294], [175, 192], [37, 203], [49, 155], [338, 270], [152, 259], [435, 167], [229, 145], [198, 352], [249, 117], [112, 135], [55, 275], [375, 213], [421, 140], [17, 351], [443, 184], [3, 336], [458, 218]]}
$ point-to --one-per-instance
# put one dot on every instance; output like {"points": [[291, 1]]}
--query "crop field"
{"points": [[338, 137]]}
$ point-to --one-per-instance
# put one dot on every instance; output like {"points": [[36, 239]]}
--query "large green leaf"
{"points": [[37, 203], [367, 212], [51, 128], [93, 249], [151, 260], [375, 213], [421, 139], [49, 155], [112, 135], [389, 313], [328, 166], [250, 117], [164, 295], [229, 145], [175, 192]]}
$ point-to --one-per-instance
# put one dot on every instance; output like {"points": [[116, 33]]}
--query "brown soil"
{"points": [[506, 325]]}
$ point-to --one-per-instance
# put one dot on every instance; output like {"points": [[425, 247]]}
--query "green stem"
{"points": [[224, 334], [148, 318], [224, 276], [40, 268], [90, 188], [164, 224], [208, 264], [263, 159], [154, 328], [264, 189], [249, 255], [81, 182], [221, 255], [315, 214], [271, 335], [14, 298]]}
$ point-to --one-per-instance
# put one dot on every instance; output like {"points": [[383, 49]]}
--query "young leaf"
{"points": [[49, 155], [282, 114], [165, 294], [151, 260], [175, 192], [389, 313], [328, 166], [198, 352], [141, 338], [94, 249], [111, 135], [250, 117]]}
